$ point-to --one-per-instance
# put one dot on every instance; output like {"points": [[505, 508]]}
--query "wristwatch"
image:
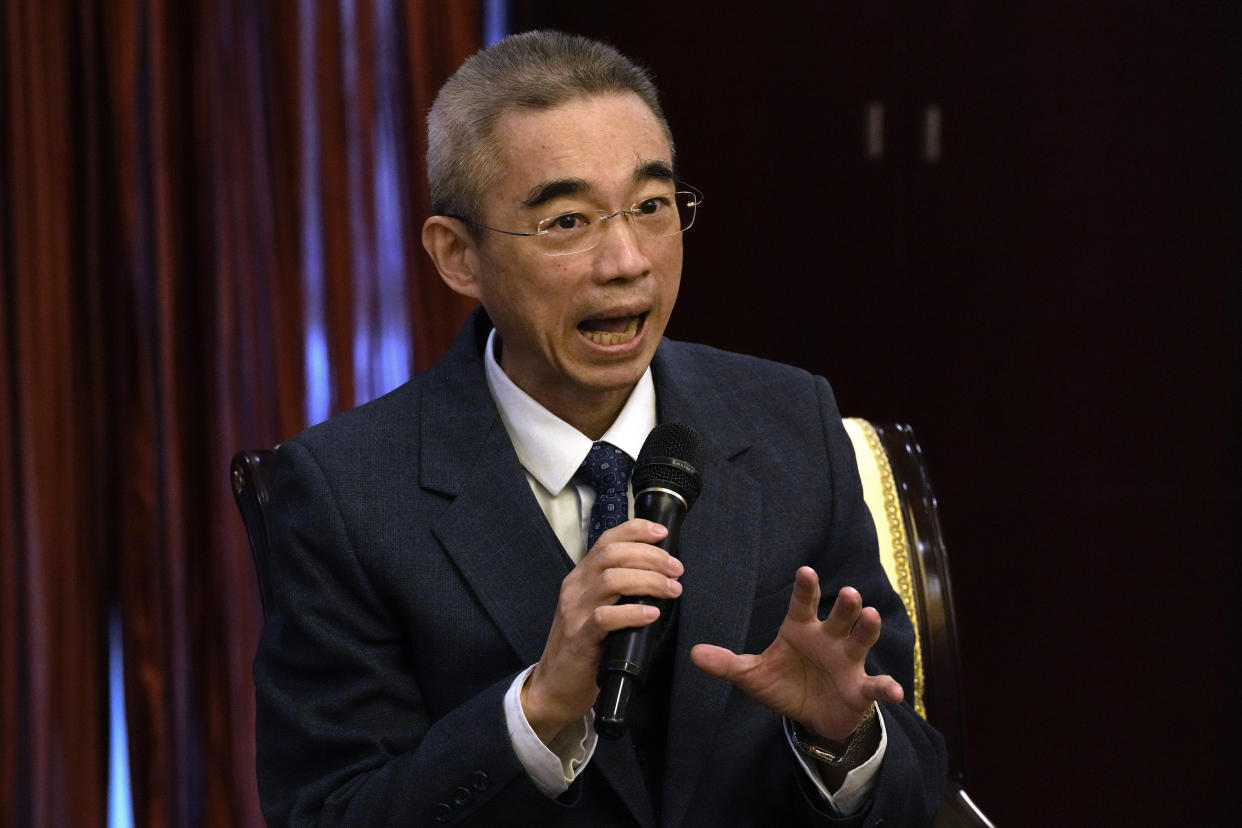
{"points": [[846, 758]]}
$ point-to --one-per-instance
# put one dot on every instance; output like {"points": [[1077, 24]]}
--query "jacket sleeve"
{"points": [[344, 735]]}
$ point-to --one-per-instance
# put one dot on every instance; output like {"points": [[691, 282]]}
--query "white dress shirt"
{"points": [[551, 450]]}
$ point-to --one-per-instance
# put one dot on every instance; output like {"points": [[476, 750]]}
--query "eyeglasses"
{"points": [[577, 231]]}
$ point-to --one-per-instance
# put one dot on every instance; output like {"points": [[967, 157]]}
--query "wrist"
{"points": [[836, 754], [542, 720]]}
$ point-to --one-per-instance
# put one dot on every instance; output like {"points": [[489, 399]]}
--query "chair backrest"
{"points": [[248, 474], [899, 496]]}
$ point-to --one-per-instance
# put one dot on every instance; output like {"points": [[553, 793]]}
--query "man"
{"points": [[440, 598]]}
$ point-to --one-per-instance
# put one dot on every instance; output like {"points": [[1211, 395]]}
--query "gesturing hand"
{"points": [[814, 672], [561, 688]]}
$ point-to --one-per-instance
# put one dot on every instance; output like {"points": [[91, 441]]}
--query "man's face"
{"points": [[582, 326]]}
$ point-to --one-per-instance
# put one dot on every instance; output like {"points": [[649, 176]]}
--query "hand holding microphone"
{"points": [[666, 483], [612, 594]]}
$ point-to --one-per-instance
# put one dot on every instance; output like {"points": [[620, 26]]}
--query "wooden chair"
{"points": [[249, 473], [899, 495]]}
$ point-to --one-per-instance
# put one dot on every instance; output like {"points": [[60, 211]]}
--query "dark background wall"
{"points": [[1053, 303]]}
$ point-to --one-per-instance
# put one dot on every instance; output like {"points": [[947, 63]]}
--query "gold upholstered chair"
{"points": [[899, 496]]}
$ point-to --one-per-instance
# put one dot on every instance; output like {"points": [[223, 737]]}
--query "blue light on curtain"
{"points": [[495, 20], [395, 343], [318, 377], [360, 252], [382, 340], [120, 805]]}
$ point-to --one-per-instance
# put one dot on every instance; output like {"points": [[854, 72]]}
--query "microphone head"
{"points": [[670, 460]]}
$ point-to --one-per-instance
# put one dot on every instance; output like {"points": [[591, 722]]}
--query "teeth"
{"points": [[609, 338]]}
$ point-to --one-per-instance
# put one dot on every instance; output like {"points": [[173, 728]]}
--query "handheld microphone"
{"points": [[666, 484]]}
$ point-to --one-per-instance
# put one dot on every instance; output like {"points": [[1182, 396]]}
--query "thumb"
{"points": [[717, 661], [883, 688]]}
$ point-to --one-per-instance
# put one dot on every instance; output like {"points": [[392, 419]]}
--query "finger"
{"points": [[615, 583], [635, 530], [720, 662], [883, 688], [630, 555], [844, 613], [804, 601], [612, 617], [865, 633]]}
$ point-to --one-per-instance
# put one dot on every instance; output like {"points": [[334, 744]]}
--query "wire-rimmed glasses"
{"points": [[577, 231]]}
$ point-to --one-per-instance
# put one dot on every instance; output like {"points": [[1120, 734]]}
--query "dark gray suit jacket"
{"points": [[414, 575]]}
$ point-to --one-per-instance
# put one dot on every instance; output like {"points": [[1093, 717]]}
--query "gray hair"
{"points": [[534, 70]]}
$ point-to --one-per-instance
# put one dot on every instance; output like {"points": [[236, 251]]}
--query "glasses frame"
{"points": [[680, 187]]}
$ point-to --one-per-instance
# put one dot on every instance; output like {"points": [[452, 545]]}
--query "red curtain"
{"points": [[209, 221]]}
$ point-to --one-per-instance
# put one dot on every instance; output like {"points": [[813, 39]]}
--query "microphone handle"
{"points": [[627, 653]]}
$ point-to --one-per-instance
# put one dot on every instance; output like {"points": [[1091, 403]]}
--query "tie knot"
{"points": [[606, 469]]}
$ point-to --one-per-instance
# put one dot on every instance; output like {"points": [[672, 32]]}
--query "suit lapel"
{"points": [[495, 532], [497, 536], [493, 528], [720, 546]]}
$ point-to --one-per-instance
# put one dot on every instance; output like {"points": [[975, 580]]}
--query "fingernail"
{"points": [[674, 586], [676, 566]]}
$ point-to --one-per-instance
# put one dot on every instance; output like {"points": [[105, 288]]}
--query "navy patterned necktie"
{"points": [[606, 469]]}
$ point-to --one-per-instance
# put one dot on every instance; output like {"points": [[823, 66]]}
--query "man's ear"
{"points": [[455, 254]]}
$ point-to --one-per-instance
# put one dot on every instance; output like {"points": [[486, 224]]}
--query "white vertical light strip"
{"points": [[318, 378], [873, 131], [495, 20], [932, 128], [120, 803]]}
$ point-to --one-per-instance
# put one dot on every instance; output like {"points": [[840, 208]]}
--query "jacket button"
{"points": [[444, 812], [462, 795], [479, 780]]}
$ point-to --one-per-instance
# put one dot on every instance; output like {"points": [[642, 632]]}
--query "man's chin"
{"points": [[608, 383]]}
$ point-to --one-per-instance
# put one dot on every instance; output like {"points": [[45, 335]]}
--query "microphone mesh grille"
{"points": [[670, 459]]}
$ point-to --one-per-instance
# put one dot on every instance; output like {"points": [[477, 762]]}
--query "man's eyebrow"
{"points": [[546, 191], [654, 170]]}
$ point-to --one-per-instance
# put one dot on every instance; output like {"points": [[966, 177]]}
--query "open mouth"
{"points": [[612, 331]]}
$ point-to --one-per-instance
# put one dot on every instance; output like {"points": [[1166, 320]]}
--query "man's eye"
{"points": [[653, 205], [568, 222]]}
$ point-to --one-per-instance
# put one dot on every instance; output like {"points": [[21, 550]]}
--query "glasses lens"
{"points": [[666, 214], [567, 233]]}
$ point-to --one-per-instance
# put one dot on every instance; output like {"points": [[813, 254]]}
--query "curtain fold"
{"points": [[209, 221], [53, 635]]}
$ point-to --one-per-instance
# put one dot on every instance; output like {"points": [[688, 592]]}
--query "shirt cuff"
{"points": [[554, 767], [856, 789]]}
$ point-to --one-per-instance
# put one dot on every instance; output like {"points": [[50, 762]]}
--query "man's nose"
{"points": [[620, 253]]}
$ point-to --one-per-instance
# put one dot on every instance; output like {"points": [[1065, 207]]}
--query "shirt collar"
{"points": [[549, 448]]}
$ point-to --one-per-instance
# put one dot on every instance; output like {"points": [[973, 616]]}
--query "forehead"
{"points": [[605, 144]]}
